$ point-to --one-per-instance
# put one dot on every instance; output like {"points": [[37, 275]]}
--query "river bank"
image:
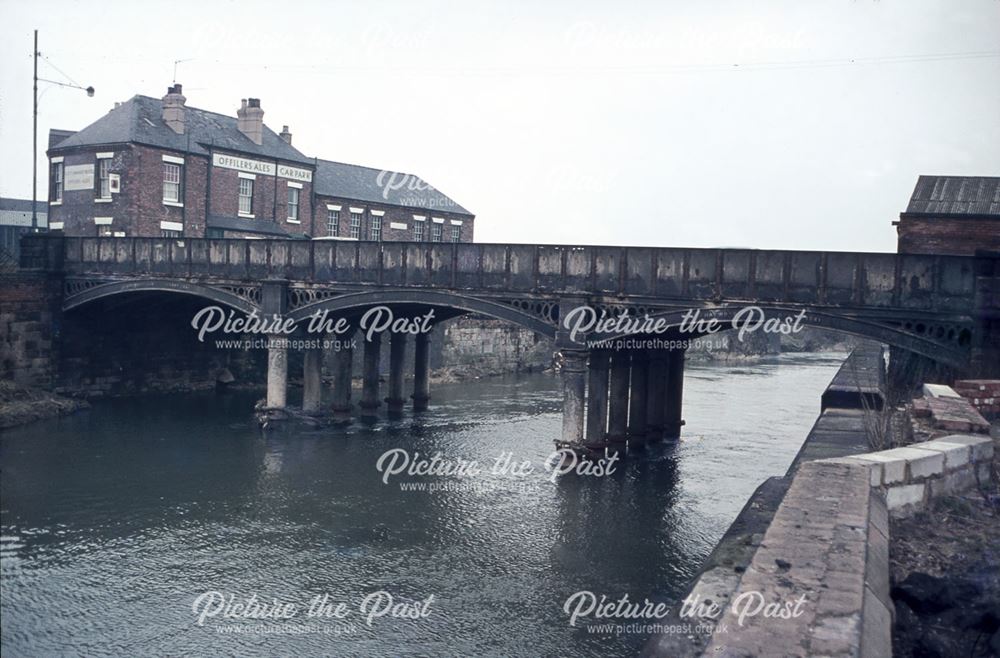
{"points": [[20, 406]]}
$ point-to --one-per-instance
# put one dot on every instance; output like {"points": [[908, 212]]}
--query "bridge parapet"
{"points": [[837, 279]]}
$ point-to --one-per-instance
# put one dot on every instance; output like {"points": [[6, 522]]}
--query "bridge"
{"points": [[944, 308]]}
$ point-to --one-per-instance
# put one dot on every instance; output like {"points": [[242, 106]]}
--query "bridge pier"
{"points": [[312, 380], [618, 397], [656, 392], [343, 365], [421, 371], [277, 372], [673, 404], [638, 398], [370, 385], [574, 380], [597, 398], [397, 359]]}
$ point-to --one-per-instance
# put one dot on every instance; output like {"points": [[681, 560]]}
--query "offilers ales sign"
{"points": [[260, 167]]}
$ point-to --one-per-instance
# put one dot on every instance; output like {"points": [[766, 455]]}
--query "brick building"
{"points": [[951, 215], [157, 167]]}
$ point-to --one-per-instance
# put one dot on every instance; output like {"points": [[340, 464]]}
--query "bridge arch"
{"points": [[437, 299], [241, 298], [947, 349]]}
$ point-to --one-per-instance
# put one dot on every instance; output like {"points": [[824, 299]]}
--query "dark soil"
{"points": [[19, 406]]}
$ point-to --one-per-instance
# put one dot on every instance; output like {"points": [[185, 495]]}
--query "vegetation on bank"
{"points": [[19, 405]]}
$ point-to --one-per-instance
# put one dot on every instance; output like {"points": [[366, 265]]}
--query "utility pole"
{"points": [[34, 145]]}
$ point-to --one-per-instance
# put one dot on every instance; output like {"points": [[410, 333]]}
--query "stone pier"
{"points": [[597, 398], [638, 399], [370, 385], [618, 397], [343, 364], [421, 372], [277, 373], [673, 405], [397, 362], [312, 380]]}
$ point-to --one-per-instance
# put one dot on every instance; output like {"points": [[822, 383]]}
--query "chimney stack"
{"points": [[173, 109], [250, 120], [285, 135]]}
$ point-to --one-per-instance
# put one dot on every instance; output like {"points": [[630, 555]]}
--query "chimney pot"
{"points": [[285, 135], [250, 120]]}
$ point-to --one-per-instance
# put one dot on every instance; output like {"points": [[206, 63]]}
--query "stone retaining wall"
{"points": [[913, 475]]}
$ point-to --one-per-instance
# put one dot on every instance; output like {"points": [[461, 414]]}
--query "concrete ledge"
{"points": [[911, 476]]}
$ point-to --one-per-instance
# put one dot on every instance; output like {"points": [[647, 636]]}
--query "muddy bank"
{"points": [[19, 406]]}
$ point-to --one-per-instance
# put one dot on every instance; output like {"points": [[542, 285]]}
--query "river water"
{"points": [[115, 520]]}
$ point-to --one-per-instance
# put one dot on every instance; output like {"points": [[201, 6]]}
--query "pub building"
{"points": [[159, 168]]}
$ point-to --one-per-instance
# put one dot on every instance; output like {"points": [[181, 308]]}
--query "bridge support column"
{"points": [[421, 371], [638, 398], [369, 389], [277, 372], [397, 359], [597, 398], [343, 374], [656, 391], [673, 404], [574, 380], [618, 397], [312, 380]]}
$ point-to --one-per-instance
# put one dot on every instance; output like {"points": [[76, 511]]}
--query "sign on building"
{"points": [[78, 177]]}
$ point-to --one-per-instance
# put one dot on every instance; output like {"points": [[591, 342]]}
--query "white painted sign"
{"points": [[295, 173], [243, 164], [260, 167], [78, 177]]}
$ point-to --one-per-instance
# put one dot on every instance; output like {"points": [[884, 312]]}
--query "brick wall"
{"points": [[29, 321], [270, 199], [393, 214], [945, 236]]}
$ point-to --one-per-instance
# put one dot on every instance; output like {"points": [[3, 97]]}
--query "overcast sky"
{"points": [[663, 123]]}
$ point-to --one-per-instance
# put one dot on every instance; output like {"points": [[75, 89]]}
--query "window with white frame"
{"points": [[435, 232], [333, 223], [293, 203], [456, 232], [166, 233], [57, 181], [104, 176], [376, 228], [356, 225], [246, 196], [171, 182], [418, 231]]}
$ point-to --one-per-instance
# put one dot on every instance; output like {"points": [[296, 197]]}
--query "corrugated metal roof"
{"points": [[956, 195]]}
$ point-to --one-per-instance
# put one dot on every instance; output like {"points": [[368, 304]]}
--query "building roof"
{"points": [[956, 195], [17, 212], [140, 120], [347, 181]]}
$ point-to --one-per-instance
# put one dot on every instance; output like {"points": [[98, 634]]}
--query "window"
{"points": [[333, 223], [164, 233], [104, 175], [418, 231], [435, 232], [356, 225], [246, 196], [456, 232], [376, 228], [293, 204], [57, 182], [171, 182]]}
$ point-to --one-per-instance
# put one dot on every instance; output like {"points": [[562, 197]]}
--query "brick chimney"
{"points": [[285, 135], [173, 109], [250, 120]]}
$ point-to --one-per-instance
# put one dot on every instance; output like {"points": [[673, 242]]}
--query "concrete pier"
{"points": [[277, 373], [597, 398], [343, 366], [312, 380], [673, 407], [370, 385], [618, 397], [574, 380], [421, 372], [397, 359], [638, 399]]}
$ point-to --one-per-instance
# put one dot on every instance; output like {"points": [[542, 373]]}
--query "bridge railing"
{"points": [[942, 283]]}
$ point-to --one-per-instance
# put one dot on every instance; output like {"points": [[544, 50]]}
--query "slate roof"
{"points": [[140, 120], [349, 181], [956, 195]]}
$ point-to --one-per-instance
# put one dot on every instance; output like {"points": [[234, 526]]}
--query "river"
{"points": [[116, 519]]}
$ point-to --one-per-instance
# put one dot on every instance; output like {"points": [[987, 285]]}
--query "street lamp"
{"points": [[34, 134]]}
